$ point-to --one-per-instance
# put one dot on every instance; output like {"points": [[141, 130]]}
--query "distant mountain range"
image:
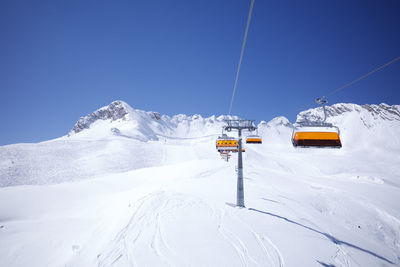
{"points": [[117, 138], [150, 124]]}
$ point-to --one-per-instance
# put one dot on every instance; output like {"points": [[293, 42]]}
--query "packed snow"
{"points": [[127, 187]]}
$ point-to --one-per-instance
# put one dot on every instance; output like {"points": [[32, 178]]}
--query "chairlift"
{"points": [[226, 143], [225, 155], [317, 134], [253, 139]]}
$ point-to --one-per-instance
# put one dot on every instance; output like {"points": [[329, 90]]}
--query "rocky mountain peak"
{"points": [[384, 111], [381, 111], [114, 111]]}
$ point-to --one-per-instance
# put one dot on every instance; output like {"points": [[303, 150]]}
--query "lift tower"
{"points": [[240, 125]]}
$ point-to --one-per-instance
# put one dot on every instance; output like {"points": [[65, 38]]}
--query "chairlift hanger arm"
{"points": [[322, 101]]}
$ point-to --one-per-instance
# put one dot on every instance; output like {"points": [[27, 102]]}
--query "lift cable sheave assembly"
{"points": [[323, 134]]}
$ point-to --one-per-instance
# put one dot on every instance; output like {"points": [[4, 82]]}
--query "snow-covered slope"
{"points": [[159, 195], [114, 138]]}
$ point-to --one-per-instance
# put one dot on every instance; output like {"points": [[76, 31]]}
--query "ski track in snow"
{"points": [[270, 249], [146, 227], [144, 221]]}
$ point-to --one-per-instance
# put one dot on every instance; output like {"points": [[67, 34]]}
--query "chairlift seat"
{"points": [[226, 143], [323, 136], [253, 139]]}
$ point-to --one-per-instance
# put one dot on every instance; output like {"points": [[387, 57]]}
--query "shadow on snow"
{"points": [[326, 265], [330, 237]]}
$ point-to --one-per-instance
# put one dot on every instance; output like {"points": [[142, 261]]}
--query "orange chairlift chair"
{"points": [[317, 134]]}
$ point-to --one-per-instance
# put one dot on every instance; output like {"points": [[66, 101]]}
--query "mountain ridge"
{"points": [[118, 138], [383, 111], [150, 123]]}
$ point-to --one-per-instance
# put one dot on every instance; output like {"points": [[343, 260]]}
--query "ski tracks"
{"points": [[162, 232], [234, 241], [141, 241], [243, 237]]}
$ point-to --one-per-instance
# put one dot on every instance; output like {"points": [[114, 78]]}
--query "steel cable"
{"points": [[241, 55], [360, 78]]}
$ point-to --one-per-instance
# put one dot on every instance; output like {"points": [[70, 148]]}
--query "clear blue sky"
{"points": [[60, 60]]}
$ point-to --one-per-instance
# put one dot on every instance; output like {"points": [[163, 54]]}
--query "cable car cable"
{"points": [[241, 55], [354, 81], [360, 78]]}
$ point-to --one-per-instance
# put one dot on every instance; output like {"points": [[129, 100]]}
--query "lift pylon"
{"points": [[240, 125]]}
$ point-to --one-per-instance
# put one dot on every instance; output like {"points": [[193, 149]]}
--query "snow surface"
{"points": [[133, 188]]}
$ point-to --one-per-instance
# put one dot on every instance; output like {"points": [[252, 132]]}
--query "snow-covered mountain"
{"points": [[119, 118], [119, 138], [129, 187], [367, 113]]}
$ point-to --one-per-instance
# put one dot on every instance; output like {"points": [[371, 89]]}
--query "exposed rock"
{"points": [[383, 111], [156, 115], [116, 110]]}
